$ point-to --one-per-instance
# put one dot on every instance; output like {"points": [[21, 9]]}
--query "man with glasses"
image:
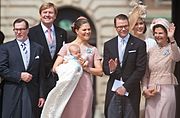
{"points": [[125, 63], [21, 66]]}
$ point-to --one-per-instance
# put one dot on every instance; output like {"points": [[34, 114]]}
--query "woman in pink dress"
{"points": [[80, 103], [159, 81]]}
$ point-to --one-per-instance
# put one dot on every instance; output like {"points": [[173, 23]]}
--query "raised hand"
{"points": [[171, 31]]}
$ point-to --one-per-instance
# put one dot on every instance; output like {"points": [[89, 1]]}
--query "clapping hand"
{"points": [[112, 64]]}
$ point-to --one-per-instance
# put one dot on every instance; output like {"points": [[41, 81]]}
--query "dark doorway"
{"points": [[67, 15]]}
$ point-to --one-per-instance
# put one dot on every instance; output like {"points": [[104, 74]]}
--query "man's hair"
{"points": [[1, 37], [47, 5], [19, 20], [120, 17]]}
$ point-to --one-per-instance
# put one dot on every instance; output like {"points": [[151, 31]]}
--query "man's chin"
{"points": [[18, 38], [48, 22]]}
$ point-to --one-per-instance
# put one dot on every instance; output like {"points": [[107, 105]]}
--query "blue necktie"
{"points": [[121, 50]]}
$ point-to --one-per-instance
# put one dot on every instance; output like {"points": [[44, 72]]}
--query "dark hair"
{"points": [[120, 17], [160, 26], [46, 6], [19, 20], [77, 24], [145, 27], [1, 37]]}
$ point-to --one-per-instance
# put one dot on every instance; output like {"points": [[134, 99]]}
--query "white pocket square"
{"points": [[37, 57], [131, 51]]}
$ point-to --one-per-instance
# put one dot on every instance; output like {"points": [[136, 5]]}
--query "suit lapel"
{"points": [[58, 38], [114, 46], [128, 47], [42, 36], [16, 50], [43, 41], [32, 54]]}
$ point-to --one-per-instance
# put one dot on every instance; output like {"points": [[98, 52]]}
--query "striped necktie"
{"points": [[25, 54], [24, 48]]}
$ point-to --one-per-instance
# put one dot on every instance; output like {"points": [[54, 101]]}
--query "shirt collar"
{"points": [[45, 28], [125, 38], [26, 42]]}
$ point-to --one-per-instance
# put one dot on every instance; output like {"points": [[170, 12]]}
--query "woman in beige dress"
{"points": [[80, 102], [159, 81]]}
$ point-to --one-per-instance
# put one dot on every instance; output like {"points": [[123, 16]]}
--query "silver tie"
{"points": [[121, 50]]}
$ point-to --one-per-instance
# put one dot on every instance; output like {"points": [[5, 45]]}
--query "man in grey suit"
{"points": [[125, 63], [21, 66], [52, 42]]}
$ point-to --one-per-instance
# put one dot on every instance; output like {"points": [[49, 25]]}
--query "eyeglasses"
{"points": [[19, 29], [121, 27]]}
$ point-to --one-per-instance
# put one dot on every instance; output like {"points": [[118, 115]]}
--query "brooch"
{"points": [[89, 50], [166, 52]]}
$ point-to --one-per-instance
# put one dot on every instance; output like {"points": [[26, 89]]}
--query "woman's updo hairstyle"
{"points": [[77, 24]]}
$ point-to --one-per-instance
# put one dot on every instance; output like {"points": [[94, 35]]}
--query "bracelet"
{"points": [[172, 42]]}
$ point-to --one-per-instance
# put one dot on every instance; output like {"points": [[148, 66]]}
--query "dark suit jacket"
{"points": [[11, 66], [36, 34], [132, 70]]}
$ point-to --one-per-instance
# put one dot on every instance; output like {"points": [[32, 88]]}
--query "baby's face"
{"points": [[76, 54]]}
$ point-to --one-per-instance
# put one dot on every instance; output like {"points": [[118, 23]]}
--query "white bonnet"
{"points": [[161, 21]]}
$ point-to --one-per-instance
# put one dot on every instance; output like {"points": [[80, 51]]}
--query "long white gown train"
{"points": [[69, 75]]}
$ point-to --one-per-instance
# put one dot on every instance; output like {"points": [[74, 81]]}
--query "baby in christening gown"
{"points": [[69, 74], [75, 55]]}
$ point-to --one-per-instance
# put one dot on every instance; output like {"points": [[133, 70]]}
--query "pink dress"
{"points": [[160, 75], [80, 103]]}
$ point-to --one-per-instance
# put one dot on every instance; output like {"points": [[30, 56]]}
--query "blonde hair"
{"points": [[138, 11], [47, 5]]}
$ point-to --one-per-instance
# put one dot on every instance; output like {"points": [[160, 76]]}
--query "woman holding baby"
{"points": [[80, 103]]}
